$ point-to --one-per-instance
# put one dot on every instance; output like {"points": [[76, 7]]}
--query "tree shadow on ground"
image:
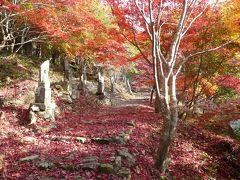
{"points": [[20, 114]]}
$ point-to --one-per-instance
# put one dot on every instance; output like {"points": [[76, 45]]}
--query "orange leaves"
{"points": [[207, 87]]}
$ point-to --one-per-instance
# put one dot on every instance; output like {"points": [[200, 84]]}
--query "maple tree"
{"points": [[171, 38], [168, 28]]}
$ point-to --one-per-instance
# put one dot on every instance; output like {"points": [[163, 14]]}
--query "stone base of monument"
{"points": [[42, 111]]}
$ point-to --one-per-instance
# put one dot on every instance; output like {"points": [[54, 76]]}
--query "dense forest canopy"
{"points": [[184, 52]]}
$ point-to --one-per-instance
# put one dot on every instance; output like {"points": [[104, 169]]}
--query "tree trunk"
{"points": [[170, 117], [157, 105], [129, 86], [100, 90], [113, 81], [152, 93], [165, 141], [67, 71]]}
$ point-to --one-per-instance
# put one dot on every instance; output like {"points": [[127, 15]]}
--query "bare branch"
{"points": [[194, 19], [213, 49]]}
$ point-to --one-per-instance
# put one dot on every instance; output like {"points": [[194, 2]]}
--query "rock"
{"points": [[102, 140], [235, 127], [81, 139], [35, 108], [28, 139], [118, 140], [130, 131], [127, 156], [90, 163], [41, 106], [117, 163], [131, 123], [90, 166], [69, 167], [122, 138], [8, 80], [90, 159], [32, 117], [67, 99], [43, 101], [43, 165], [125, 173], [57, 138], [29, 158], [58, 87], [106, 168]]}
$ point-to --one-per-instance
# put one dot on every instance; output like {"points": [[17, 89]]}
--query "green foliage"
{"points": [[131, 49], [226, 93], [132, 70], [16, 68]]}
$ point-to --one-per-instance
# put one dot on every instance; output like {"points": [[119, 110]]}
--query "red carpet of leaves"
{"points": [[196, 152]]}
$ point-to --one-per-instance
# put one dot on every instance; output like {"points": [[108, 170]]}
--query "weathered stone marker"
{"points": [[43, 104], [43, 92]]}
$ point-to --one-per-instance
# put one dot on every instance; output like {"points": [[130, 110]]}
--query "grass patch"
{"points": [[17, 68]]}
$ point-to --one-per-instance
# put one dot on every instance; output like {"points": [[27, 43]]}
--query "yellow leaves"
{"points": [[231, 18]]}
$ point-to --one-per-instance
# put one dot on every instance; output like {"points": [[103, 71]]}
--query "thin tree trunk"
{"points": [[113, 81], [129, 86], [152, 93], [157, 105], [170, 118], [100, 90]]}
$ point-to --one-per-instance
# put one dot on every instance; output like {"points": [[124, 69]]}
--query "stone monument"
{"points": [[43, 104]]}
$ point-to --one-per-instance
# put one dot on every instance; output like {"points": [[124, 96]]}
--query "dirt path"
{"points": [[88, 141]]}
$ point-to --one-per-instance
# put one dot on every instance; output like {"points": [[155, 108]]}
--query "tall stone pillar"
{"points": [[43, 104]]}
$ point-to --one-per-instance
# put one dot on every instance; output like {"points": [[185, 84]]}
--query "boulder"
{"points": [[122, 138], [106, 168], [127, 156], [235, 127], [68, 167], [131, 123], [28, 139], [32, 117], [102, 140], [125, 173], [29, 158], [117, 163], [43, 165], [89, 163], [35, 108], [81, 139]]}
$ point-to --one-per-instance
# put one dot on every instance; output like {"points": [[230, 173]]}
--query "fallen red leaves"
{"points": [[195, 153]]}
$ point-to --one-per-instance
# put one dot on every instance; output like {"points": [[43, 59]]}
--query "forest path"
{"points": [[138, 98], [89, 141]]}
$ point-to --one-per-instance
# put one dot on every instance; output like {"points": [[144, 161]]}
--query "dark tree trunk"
{"points": [[157, 105], [67, 71], [168, 132]]}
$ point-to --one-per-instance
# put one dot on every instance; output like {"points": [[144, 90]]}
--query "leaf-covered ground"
{"points": [[197, 152]]}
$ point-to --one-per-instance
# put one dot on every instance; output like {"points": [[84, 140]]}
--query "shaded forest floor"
{"points": [[86, 135]]}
